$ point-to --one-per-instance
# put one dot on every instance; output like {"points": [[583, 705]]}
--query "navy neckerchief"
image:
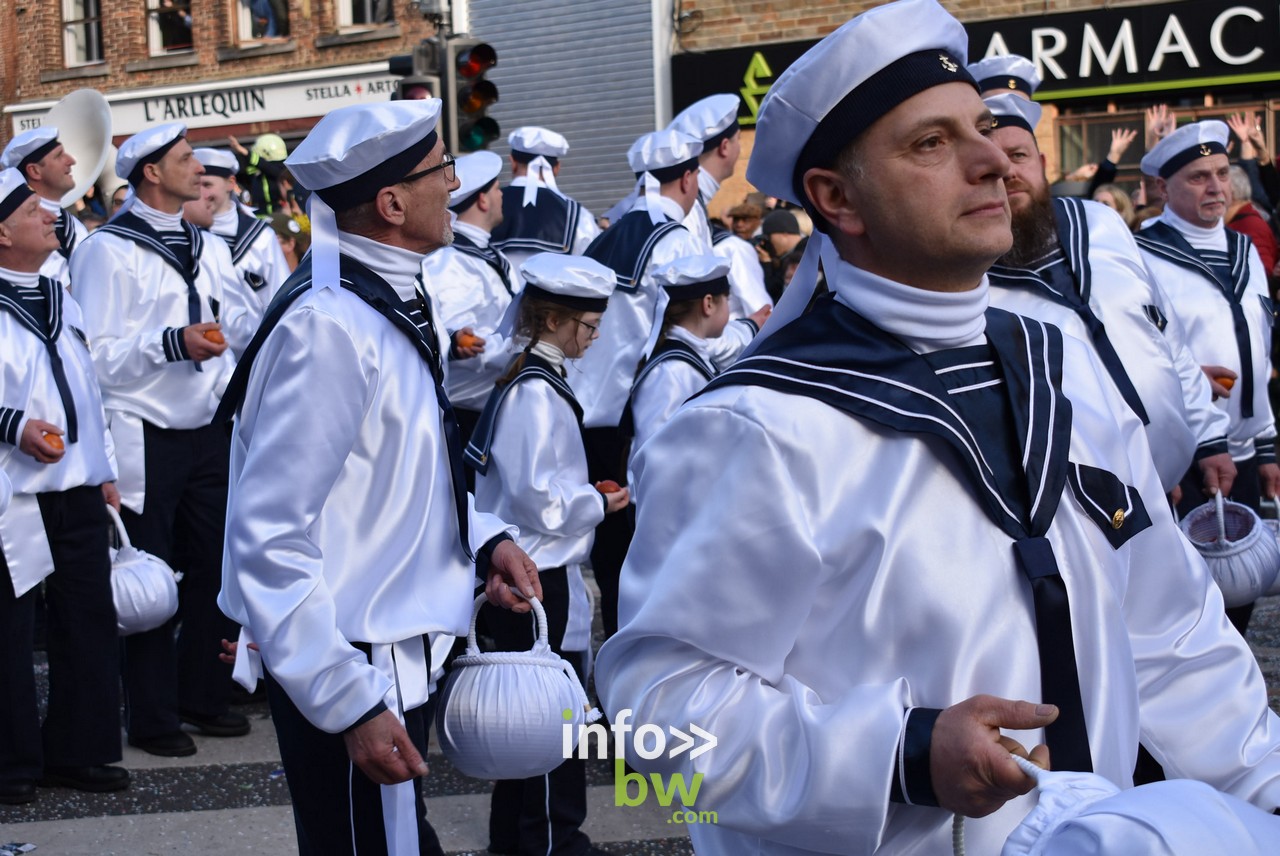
{"points": [[835, 356], [132, 227], [667, 349], [248, 228], [534, 368], [382, 298], [47, 330], [548, 225], [626, 246], [1162, 240], [719, 233], [1070, 285], [66, 232], [488, 255]]}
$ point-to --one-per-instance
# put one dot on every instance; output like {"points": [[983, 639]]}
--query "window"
{"points": [[168, 26], [262, 19], [356, 13], [81, 32]]}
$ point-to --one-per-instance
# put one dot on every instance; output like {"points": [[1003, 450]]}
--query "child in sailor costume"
{"points": [[39, 156], [152, 301], [259, 261], [1088, 278], [473, 284], [350, 534], [939, 519], [55, 529], [695, 298], [536, 216], [532, 471], [713, 121], [1218, 288]]}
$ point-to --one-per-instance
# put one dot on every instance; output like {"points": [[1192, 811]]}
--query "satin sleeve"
{"points": [[746, 277], [1209, 423], [664, 389], [6, 492], [293, 455], [705, 633], [530, 453], [124, 350], [586, 231]]}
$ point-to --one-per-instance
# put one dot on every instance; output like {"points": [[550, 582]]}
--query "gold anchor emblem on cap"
{"points": [[1013, 83], [1117, 519], [1204, 150], [947, 63]]}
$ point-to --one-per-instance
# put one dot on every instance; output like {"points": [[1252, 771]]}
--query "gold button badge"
{"points": [[1117, 519]]}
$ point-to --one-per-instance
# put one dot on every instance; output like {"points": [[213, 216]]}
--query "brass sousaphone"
{"points": [[83, 120]]}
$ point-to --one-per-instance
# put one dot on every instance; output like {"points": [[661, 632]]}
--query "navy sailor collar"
{"points": [[534, 368]]}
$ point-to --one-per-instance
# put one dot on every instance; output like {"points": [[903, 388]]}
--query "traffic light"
{"points": [[467, 94], [418, 72]]}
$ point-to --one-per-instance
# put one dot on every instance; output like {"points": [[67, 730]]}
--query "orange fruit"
{"points": [[55, 441], [1228, 382], [608, 486], [215, 336], [466, 340]]}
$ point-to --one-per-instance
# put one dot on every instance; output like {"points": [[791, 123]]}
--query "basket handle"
{"points": [[1218, 504], [121, 532], [540, 617]]}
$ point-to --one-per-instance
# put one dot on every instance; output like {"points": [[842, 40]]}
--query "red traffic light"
{"points": [[476, 61]]}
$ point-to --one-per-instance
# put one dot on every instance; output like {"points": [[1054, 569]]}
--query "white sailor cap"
{"points": [[531, 141], [577, 282], [1009, 110], [146, 147], [1008, 71], [30, 147], [710, 120], [355, 151], [218, 162], [1186, 144], [666, 155], [692, 276], [351, 154], [847, 81], [14, 191], [475, 171]]}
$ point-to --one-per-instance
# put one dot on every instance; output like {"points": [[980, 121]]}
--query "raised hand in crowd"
{"points": [[1121, 139], [1160, 123]]}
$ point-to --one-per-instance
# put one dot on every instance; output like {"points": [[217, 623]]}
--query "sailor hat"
{"points": [[710, 120], [1008, 71], [1011, 110], [30, 147], [1186, 144], [146, 147], [14, 191], [218, 162], [475, 171]]}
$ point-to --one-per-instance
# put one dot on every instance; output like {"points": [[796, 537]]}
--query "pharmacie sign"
{"points": [[1138, 49]]}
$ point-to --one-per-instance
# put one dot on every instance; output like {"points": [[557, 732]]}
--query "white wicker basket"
{"points": [[503, 715], [1241, 552]]}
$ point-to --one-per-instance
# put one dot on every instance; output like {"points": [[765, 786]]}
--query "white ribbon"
{"points": [[798, 294], [399, 814], [540, 172], [324, 243], [652, 193], [25, 542], [659, 311], [614, 214]]}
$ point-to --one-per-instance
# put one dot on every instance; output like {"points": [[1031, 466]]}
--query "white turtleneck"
{"points": [[227, 222], [924, 320], [707, 186], [157, 220], [21, 280], [53, 206], [1212, 238], [478, 236], [700, 345], [549, 352], [398, 266]]}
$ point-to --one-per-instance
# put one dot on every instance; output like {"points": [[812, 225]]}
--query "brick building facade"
{"points": [[51, 47]]}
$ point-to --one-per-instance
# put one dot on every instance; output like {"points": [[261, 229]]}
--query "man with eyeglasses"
{"points": [[350, 535]]}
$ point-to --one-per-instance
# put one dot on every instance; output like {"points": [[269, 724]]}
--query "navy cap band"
{"points": [[876, 96], [1014, 121], [1005, 81], [135, 177], [527, 157], [582, 304], [1186, 156], [719, 285], [672, 173], [37, 155], [219, 171], [711, 143], [365, 186], [14, 200]]}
